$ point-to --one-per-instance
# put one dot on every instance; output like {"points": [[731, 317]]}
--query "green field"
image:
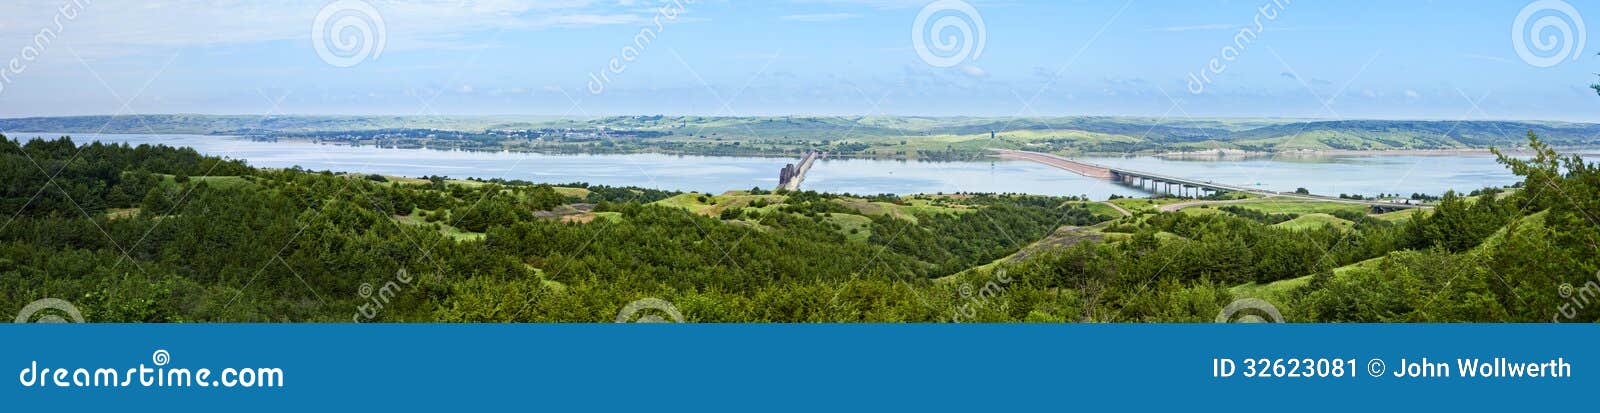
{"points": [[219, 181], [1315, 220], [1298, 206], [443, 228], [854, 227]]}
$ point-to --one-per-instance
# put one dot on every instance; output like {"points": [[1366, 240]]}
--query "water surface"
{"points": [[713, 174], [1366, 175]]}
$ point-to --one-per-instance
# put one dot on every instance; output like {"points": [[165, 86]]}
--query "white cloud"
{"points": [[877, 4], [111, 28], [1486, 57], [582, 20], [820, 17], [1197, 27]]}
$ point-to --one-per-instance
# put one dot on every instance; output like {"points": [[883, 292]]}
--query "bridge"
{"points": [[1185, 187], [792, 175]]}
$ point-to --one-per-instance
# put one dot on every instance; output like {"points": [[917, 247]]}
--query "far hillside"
{"points": [[902, 137]]}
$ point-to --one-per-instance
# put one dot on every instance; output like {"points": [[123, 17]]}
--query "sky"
{"points": [[1444, 60]]}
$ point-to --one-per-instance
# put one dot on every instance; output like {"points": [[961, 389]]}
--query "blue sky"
{"points": [[1316, 59]]}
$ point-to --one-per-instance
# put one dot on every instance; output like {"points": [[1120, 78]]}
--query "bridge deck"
{"points": [[1116, 174], [1081, 168]]}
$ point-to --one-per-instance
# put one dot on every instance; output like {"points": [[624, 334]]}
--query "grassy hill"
{"points": [[878, 136]]}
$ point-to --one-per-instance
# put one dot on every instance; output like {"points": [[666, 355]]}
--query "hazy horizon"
{"points": [[1277, 59], [555, 117]]}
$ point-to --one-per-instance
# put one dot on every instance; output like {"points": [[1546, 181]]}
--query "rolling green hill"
{"points": [[873, 136]]}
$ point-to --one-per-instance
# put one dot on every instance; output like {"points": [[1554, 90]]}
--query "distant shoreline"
{"points": [[1212, 154], [1315, 153]]}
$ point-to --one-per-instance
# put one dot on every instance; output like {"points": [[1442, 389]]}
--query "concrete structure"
{"points": [[792, 175], [1183, 187]]}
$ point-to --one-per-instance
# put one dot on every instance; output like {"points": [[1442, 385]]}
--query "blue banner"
{"points": [[690, 367]]}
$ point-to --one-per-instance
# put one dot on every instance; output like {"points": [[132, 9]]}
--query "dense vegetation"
{"points": [[158, 234], [154, 233]]}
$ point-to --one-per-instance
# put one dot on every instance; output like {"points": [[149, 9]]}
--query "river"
{"points": [[1367, 175]]}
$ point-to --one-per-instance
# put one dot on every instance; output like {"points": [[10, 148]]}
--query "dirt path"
{"points": [[1182, 205], [1118, 208]]}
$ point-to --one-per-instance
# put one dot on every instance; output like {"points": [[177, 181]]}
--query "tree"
{"points": [[155, 202]]}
